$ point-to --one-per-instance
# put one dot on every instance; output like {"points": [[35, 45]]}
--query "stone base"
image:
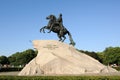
{"points": [[55, 57]]}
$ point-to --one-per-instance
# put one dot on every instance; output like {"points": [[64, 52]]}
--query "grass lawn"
{"points": [[59, 77]]}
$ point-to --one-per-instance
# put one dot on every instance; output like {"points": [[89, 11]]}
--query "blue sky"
{"points": [[94, 24]]}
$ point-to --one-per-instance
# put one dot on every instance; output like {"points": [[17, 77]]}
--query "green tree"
{"points": [[112, 55], [22, 58], [101, 56], [28, 55], [4, 60], [13, 58]]}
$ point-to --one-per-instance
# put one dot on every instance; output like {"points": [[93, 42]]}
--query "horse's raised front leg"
{"points": [[42, 29]]}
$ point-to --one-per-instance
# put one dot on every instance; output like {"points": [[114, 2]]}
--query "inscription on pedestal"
{"points": [[50, 47]]}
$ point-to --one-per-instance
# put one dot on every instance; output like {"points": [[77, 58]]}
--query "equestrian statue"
{"points": [[56, 25]]}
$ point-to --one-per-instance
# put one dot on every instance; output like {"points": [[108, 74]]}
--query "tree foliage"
{"points": [[111, 55], [4, 60], [22, 58]]}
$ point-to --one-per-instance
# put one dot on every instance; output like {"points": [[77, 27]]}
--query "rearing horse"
{"points": [[55, 27]]}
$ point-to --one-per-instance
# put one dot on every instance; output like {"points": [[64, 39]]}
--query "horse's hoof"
{"points": [[73, 44], [62, 40], [59, 40]]}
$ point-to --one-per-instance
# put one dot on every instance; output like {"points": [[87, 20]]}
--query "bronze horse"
{"points": [[54, 26]]}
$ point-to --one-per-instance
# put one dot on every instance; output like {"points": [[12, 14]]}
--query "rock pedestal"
{"points": [[55, 57]]}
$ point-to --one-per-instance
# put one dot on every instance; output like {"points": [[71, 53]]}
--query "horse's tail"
{"points": [[71, 39]]}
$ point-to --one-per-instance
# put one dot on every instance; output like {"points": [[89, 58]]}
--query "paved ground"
{"points": [[88, 74], [9, 73]]}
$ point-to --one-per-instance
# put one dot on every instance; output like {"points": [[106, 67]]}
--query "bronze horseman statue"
{"points": [[56, 26]]}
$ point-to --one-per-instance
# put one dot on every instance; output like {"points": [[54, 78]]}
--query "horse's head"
{"points": [[51, 17]]}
